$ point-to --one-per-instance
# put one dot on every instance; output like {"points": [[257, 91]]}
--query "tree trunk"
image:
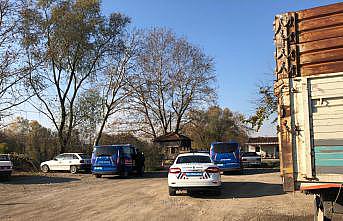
{"points": [[98, 137]]}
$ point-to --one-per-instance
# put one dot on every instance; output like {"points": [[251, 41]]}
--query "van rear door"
{"points": [[226, 152], [105, 157]]}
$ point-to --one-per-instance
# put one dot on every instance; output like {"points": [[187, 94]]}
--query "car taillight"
{"points": [[82, 161], [212, 170], [174, 170]]}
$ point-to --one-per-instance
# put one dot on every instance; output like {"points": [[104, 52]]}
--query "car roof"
{"points": [[192, 154]]}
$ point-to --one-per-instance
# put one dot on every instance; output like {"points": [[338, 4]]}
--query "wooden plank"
{"points": [[322, 56], [320, 11], [321, 68], [320, 34], [320, 45], [321, 22]]}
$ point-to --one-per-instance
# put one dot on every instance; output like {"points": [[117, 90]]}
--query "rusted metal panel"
{"points": [[335, 54], [320, 34], [321, 11], [309, 42], [320, 45], [321, 22], [316, 69], [283, 91]]}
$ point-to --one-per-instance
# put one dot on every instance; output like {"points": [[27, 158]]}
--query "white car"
{"points": [[6, 165], [194, 171], [67, 161], [251, 159]]}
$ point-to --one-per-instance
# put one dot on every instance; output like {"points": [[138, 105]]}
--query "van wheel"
{"points": [[45, 168], [172, 191], [98, 175], [73, 169], [141, 171], [124, 174]]}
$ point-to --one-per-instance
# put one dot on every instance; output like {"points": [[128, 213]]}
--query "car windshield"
{"points": [[4, 158], [193, 159], [250, 154], [84, 156], [105, 150], [225, 147]]}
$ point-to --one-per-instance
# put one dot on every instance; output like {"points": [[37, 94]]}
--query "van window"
{"points": [[225, 147], [105, 150], [127, 150]]}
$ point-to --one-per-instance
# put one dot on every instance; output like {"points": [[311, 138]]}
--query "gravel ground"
{"points": [[255, 195]]}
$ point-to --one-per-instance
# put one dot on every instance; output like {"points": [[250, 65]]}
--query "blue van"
{"points": [[227, 156], [122, 160]]}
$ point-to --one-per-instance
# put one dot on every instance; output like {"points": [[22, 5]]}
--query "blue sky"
{"points": [[238, 34]]}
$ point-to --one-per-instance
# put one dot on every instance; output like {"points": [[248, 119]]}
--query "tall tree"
{"points": [[172, 76], [215, 124], [67, 43], [11, 73], [114, 80], [265, 106]]}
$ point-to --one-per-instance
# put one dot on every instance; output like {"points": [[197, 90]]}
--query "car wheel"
{"points": [[73, 169], [98, 175], [45, 168], [172, 191]]}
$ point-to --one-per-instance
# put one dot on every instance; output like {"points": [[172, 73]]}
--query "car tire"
{"points": [[172, 191], [73, 169], [98, 175], [45, 168]]}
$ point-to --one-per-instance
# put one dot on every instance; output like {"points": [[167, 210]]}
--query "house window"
{"points": [[172, 150]]}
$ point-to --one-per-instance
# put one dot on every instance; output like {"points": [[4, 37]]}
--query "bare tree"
{"points": [[114, 79], [172, 76], [11, 73], [66, 43]]}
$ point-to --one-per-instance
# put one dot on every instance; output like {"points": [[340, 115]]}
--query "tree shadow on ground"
{"points": [[232, 190], [147, 175], [36, 179], [253, 171]]}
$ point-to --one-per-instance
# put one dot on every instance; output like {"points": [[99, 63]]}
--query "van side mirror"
{"points": [[55, 159]]}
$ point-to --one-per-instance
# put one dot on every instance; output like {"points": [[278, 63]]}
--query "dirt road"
{"points": [[256, 195]]}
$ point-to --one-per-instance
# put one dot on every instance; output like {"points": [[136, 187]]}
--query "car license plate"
{"points": [[97, 168], [193, 174], [220, 164]]}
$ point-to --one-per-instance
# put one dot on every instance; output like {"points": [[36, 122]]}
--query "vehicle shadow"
{"points": [[147, 175], [253, 171], [36, 179], [232, 190]]}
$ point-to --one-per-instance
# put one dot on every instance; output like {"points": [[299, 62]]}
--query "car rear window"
{"points": [[193, 159], [250, 154], [84, 156], [105, 150], [4, 158], [225, 147]]}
